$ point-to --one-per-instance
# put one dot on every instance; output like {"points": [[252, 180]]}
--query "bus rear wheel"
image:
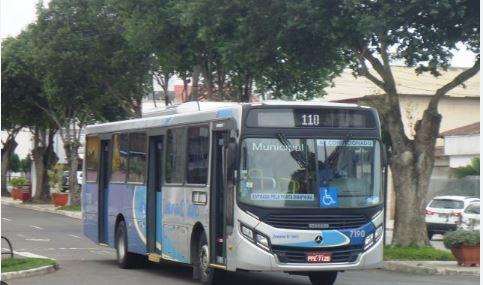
{"points": [[208, 275], [124, 258], [323, 278]]}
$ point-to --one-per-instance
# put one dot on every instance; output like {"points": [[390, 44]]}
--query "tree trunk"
{"points": [[71, 149], [195, 87], [185, 90], [44, 158], [411, 164], [7, 151]]}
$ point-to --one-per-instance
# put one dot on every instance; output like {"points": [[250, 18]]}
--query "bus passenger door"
{"points": [[154, 203], [217, 236], [103, 191]]}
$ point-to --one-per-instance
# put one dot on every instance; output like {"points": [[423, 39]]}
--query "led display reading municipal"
{"points": [[276, 147]]}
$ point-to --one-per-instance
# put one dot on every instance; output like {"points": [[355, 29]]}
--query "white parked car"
{"points": [[470, 218], [443, 213]]}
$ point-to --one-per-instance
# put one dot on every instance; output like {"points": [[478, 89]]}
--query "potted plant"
{"points": [[465, 246], [21, 189], [59, 198]]}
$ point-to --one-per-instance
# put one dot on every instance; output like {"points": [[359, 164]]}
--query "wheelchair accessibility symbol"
{"points": [[328, 197]]}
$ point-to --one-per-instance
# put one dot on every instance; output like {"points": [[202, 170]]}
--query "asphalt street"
{"points": [[83, 262]]}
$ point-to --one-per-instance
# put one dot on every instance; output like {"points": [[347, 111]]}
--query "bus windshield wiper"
{"points": [[332, 159], [296, 155]]}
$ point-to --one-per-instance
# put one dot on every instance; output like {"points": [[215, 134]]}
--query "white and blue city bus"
{"points": [[273, 186]]}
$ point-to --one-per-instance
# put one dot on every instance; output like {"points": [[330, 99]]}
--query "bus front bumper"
{"points": [[251, 257]]}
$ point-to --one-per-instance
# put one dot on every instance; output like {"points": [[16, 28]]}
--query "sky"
{"points": [[15, 15]]}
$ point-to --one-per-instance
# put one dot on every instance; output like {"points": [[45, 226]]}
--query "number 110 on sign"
{"points": [[310, 120]]}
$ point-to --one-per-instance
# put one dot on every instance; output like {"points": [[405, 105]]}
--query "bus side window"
{"points": [[92, 158], [175, 155], [120, 153], [197, 155], [137, 158]]}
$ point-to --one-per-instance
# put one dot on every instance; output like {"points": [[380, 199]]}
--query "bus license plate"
{"points": [[319, 257]]}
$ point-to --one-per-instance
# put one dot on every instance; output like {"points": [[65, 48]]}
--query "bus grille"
{"points": [[287, 254], [313, 222]]}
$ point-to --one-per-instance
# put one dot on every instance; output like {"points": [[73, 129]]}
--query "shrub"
{"points": [[56, 176], [461, 237], [471, 169], [19, 181]]}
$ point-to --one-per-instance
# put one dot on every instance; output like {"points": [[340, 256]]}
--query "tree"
{"points": [[227, 48], [14, 163], [21, 92], [422, 34], [90, 72]]}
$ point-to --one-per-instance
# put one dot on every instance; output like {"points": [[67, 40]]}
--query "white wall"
{"points": [[462, 145], [461, 149]]}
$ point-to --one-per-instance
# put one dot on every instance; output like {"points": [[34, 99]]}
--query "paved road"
{"points": [[82, 262]]}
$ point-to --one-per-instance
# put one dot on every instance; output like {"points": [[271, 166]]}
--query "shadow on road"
{"points": [[182, 274]]}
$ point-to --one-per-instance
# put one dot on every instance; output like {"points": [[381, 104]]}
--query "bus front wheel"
{"points": [[323, 278], [124, 258], [208, 275]]}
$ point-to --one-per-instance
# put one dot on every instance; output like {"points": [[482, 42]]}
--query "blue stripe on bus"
{"points": [[224, 113]]}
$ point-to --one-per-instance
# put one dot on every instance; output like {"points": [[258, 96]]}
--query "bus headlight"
{"points": [[247, 232], [255, 237], [262, 241], [368, 241], [378, 233]]}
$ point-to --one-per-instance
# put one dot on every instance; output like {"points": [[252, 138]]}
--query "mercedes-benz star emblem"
{"points": [[318, 239]]}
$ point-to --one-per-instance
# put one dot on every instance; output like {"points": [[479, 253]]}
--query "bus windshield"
{"points": [[310, 173]]}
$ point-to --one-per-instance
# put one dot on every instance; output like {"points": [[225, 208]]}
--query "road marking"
{"points": [[6, 219], [38, 228], [29, 254], [38, 239], [74, 236], [20, 235]]}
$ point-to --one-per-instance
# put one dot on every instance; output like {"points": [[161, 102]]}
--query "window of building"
{"points": [[197, 155], [92, 158], [137, 158], [120, 155], [175, 155]]}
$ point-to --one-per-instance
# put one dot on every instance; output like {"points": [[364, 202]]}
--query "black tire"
{"points": [[125, 259], [207, 275], [323, 277]]}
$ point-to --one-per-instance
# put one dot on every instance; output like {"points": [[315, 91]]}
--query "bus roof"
{"points": [[192, 112]]}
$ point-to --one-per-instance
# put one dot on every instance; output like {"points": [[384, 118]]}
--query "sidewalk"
{"points": [[431, 268], [48, 208]]}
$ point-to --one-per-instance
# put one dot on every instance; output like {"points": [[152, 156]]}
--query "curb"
{"points": [[421, 268], [74, 215], [29, 272]]}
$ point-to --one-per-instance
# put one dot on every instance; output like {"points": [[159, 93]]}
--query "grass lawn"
{"points": [[16, 264], [416, 253], [70, 208]]}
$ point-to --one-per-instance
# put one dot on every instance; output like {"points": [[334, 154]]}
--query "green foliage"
{"points": [[14, 163], [461, 237], [471, 169], [17, 264], [26, 164], [416, 253], [21, 83], [91, 72], [74, 208], [238, 44], [56, 176], [19, 181]]}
